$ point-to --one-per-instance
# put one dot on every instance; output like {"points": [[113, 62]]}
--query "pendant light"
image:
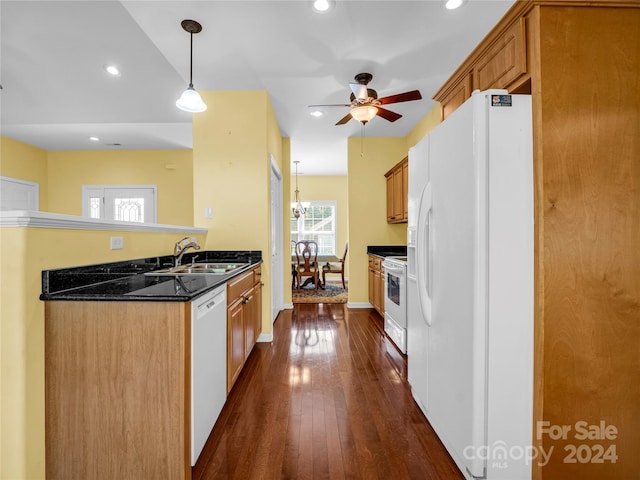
{"points": [[190, 100], [298, 209]]}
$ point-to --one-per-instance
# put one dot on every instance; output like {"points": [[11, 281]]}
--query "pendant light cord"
{"points": [[191, 61]]}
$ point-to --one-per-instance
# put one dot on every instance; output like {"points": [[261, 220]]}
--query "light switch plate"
{"points": [[208, 213], [117, 243]]}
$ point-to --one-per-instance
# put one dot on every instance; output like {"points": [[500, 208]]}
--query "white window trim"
{"points": [[88, 189]]}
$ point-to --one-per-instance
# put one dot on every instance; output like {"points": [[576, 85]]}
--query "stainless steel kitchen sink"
{"points": [[201, 268]]}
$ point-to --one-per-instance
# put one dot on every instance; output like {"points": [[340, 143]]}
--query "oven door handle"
{"points": [[392, 268]]}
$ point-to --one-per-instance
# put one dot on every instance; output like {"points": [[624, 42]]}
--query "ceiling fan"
{"points": [[365, 103]]}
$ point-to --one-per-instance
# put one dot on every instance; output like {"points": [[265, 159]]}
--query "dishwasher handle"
{"points": [[216, 298]]}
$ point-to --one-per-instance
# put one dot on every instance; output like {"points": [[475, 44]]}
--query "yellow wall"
{"points": [[25, 162], [232, 143], [25, 252], [170, 170], [428, 123], [368, 206]]}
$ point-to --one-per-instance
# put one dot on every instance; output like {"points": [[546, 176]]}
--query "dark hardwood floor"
{"points": [[327, 399]]}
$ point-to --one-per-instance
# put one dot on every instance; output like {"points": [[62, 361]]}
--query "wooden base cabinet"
{"points": [[244, 320], [117, 390], [376, 284]]}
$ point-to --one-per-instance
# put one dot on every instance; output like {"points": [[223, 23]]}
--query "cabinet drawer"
{"points": [[237, 286], [504, 62]]}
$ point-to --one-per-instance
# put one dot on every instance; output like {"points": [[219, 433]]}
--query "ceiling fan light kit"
{"points": [[190, 100], [364, 113], [365, 103]]}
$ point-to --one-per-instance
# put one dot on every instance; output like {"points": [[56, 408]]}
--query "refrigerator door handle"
{"points": [[424, 256]]}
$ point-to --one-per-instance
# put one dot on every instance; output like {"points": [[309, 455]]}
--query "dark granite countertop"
{"points": [[383, 251], [133, 280]]}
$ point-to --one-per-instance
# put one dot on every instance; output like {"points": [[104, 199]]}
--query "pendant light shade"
{"points": [[190, 100]]}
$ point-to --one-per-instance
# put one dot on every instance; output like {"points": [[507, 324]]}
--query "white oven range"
{"points": [[395, 300]]}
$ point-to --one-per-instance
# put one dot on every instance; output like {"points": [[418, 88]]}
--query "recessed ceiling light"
{"points": [[322, 6], [316, 113], [112, 70], [453, 4], [94, 139]]}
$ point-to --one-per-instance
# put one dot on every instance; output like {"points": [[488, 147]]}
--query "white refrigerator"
{"points": [[470, 284]]}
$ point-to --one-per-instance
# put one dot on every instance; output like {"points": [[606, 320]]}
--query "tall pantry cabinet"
{"points": [[580, 61]]}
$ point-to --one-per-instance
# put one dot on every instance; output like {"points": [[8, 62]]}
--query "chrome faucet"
{"points": [[181, 247]]}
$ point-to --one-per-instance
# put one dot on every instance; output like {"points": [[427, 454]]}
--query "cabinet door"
{"points": [[257, 316], [252, 317], [390, 198], [372, 287], [456, 96], [504, 62], [405, 190], [398, 203], [235, 342], [376, 289]]}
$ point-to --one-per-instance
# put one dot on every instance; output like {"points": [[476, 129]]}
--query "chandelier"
{"points": [[297, 209]]}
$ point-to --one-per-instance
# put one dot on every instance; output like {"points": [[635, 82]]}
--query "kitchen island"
{"points": [[119, 370]]}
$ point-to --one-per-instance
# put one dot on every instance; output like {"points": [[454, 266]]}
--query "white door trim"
{"points": [[277, 262]]}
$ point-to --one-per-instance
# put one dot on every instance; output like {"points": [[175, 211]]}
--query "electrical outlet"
{"points": [[117, 243], [208, 213]]}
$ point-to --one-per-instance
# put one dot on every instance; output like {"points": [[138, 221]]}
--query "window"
{"points": [[120, 202], [317, 223]]}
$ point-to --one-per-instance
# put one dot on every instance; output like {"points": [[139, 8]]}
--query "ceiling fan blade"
{"points": [[331, 105], [344, 119], [359, 90], [401, 97], [388, 114]]}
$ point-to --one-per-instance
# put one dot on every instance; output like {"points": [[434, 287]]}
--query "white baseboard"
{"points": [[265, 338], [359, 305]]}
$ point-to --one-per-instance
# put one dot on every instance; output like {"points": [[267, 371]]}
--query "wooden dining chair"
{"points": [[336, 267], [307, 259], [294, 270]]}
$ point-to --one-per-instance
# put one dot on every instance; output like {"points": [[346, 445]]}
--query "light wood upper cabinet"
{"points": [[397, 192], [499, 61], [504, 62], [455, 95], [405, 189]]}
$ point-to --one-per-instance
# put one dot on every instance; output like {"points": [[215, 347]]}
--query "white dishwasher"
{"points": [[208, 365]]}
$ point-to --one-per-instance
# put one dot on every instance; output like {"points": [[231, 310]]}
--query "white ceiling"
{"points": [[56, 93]]}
